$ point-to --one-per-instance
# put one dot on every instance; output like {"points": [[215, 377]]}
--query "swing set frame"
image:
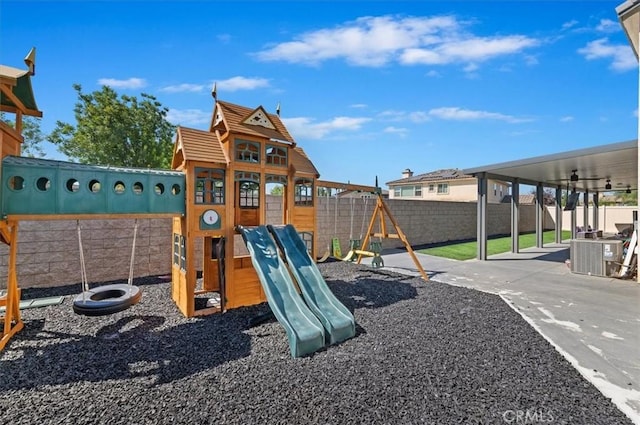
{"points": [[380, 215]]}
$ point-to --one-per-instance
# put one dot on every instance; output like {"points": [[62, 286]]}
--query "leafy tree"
{"points": [[277, 190], [121, 131], [33, 137]]}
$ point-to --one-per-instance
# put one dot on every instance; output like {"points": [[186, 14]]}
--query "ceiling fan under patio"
{"points": [[574, 177]]}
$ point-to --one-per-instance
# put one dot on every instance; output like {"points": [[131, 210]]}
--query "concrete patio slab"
{"points": [[594, 322]]}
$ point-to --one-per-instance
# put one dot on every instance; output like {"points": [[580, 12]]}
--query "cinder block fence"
{"points": [[48, 251]]}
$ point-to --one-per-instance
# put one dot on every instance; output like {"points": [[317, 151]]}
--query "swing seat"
{"points": [[107, 299]]}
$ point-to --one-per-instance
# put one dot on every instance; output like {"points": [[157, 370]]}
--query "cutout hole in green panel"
{"points": [[73, 185], [43, 184], [94, 186], [119, 187], [16, 183]]}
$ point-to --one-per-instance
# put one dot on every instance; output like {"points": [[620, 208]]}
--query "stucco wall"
{"points": [[463, 190], [608, 217], [48, 251]]}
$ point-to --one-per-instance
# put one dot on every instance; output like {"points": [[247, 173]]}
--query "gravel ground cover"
{"points": [[424, 353]]}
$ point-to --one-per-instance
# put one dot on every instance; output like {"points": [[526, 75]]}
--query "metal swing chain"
{"points": [[133, 252], [364, 215], [83, 268], [335, 218], [351, 214]]}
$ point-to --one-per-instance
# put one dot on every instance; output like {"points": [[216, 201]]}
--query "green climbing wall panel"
{"points": [[39, 186]]}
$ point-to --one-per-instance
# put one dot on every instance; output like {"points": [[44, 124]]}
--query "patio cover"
{"points": [[617, 162], [629, 16], [583, 170]]}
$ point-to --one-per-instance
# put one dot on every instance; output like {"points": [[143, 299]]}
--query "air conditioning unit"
{"points": [[595, 257]]}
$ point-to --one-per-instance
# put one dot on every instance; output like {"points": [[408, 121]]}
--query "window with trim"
{"points": [[176, 249], [432, 187], [179, 251], [276, 155], [407, 191], [443, 188], [209, 186], [247, 151], [307, 238], [303, 192], [274, 178], [249, 193]]}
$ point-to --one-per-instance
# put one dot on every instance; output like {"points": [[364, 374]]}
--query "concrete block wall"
{"points": [[48, 253]]}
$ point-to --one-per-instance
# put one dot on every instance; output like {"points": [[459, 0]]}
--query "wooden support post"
{"points": [[12, 321], [378, 214]]}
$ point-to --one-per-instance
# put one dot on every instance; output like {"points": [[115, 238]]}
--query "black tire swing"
{"points": [[106, 299]]}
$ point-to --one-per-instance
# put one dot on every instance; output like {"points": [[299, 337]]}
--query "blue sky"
{"points": [[367, 88]]}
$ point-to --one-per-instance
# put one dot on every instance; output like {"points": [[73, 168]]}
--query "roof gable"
{"points": [[197, 145], [259, 117], [252, 122]]}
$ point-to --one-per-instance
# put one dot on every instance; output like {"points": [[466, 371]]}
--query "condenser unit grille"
{"points": [[592, 257]]}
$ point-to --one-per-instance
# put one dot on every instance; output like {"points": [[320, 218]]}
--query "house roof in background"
{"points": [[438, 175], [528, 199]]}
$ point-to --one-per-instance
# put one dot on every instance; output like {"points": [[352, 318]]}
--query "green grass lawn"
{"points": [[468, 250]]}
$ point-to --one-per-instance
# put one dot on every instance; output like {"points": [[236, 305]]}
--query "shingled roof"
{"points": [[438, 175], [197, 145], [230, 117], [301, 162]]}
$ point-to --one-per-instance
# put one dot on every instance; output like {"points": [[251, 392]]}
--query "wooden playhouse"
{"points": [[228, 172]]}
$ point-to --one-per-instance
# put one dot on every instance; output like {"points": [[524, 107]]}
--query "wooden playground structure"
{"points": [[219, 182]]}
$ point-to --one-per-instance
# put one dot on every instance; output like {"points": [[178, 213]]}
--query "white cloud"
{"points": [[305, 128], [397, 116], [459, 114], [376, 41], [242, 83], [568, 118], [130, 83], [621, 56], [396, 130], [188, 117], [608, 26], [476, 49], [392, 115], [419, 116], [569, 25], [183, 88], [358, 106]]}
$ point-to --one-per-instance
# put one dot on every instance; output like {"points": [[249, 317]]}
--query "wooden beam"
{"points": [[12, 321], [45, 217], [27, 111], [346, 186]]}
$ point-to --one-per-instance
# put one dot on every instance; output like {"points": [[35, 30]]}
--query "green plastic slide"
{"points": [[335, 317], [303, 329]]}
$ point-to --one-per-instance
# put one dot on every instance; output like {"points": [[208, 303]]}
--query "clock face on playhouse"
{"points": [[210, 219]]}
